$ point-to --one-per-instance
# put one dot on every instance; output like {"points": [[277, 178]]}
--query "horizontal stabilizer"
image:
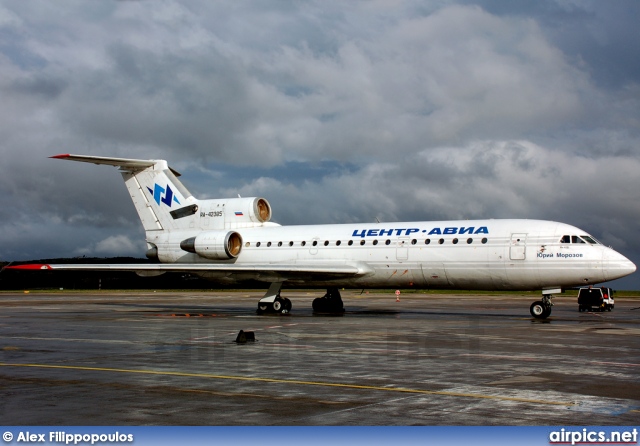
{"points": [[122, 162], [128, 163]]}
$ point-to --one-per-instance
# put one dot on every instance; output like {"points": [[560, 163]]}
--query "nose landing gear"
{"points": [[541, 309]]}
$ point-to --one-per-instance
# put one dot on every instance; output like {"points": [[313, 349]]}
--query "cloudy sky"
{"points": [[334, 111]]}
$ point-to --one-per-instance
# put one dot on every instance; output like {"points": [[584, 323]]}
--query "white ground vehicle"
{"points": [[595, 299]]}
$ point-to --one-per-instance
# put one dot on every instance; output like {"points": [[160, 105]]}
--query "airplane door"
{"points": [[518, 246], [402, 251]]}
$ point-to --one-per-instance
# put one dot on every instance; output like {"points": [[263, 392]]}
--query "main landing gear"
{"points": [[272, 302], [541, 309], [329, 303]]}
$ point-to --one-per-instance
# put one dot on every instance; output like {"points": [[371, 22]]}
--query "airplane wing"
{"points": [[264, 271]]}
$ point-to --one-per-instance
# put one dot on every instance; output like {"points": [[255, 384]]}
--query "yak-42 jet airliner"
{"points": [[232, 240]]}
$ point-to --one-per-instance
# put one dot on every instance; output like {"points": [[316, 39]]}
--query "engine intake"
{"points": [[214, 245], [262, 209]]}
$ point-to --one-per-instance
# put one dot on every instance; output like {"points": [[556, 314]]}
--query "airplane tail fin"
{"points": [[160, 198]]}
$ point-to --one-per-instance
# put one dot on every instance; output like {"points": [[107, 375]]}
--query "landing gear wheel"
{"points": [[329, 303], [271, 302], [281, 306], [539, 310]]}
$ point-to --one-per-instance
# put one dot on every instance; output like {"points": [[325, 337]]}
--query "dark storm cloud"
{"points": [[45, 87], [600, 36]]}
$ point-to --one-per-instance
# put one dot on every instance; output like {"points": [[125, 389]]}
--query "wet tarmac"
{"points": [[171, 359]]}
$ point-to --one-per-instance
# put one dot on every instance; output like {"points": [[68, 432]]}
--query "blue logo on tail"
{"points": [[157, 192]]}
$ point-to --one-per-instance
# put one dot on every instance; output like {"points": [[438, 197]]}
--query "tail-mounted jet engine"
{"points": [[254, 210], [261, 209], [214, 245], [231, 213]]}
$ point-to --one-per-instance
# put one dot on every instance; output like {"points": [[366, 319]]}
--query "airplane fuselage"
{"points": [[481, 254]]}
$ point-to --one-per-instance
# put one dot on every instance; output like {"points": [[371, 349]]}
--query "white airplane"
{"points": [[232, 240]]}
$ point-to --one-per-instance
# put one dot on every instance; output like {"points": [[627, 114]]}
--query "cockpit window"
{"points": [[589, 239], [582, 239]]}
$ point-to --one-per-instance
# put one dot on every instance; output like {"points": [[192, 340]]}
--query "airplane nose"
{"points": [[628, 267], [615, 265]]}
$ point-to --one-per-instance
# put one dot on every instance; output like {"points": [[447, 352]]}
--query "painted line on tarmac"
{"points": [[97, 341], [291, 381]]}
